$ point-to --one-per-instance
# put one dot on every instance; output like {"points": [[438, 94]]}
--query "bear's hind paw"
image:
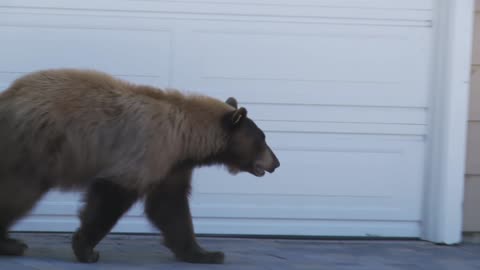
{"points": [[203, 257]]}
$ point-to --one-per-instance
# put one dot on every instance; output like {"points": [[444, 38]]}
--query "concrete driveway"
{"points": [[53, 252]]}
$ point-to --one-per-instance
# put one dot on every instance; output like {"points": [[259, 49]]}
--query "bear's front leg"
{"points": [[167, 207], [106, 202]]}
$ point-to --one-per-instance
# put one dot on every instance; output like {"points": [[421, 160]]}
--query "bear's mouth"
{"points": [[258, 171], [233, 170]]}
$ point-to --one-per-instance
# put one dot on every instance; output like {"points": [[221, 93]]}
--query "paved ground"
{"points": [[52, 252]]}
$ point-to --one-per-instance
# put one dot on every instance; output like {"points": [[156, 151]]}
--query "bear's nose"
{"points": [[276, 163]]}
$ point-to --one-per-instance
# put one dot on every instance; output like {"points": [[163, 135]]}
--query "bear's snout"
{"points": [[267, 162]]}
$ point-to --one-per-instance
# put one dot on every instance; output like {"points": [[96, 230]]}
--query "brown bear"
{"points": [[85, 130]]}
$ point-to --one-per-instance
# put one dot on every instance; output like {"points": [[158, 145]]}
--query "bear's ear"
{"points": [[233, 118], [232, 102], [238, 115]]}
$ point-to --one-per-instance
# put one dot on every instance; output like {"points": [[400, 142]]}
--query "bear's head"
{"points": [[247, 149]]}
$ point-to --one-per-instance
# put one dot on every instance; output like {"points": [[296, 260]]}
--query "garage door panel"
{"points": [[410, 10], [335, 114], [257, 205], [330, 168], [231, 226], [229, 53], [334, 171], [294, 227], [311, 65], [310, 93], [342, 128], [299, 208], [107, 50]]}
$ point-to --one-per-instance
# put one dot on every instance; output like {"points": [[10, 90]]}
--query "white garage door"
{"points": [[341, 88]]}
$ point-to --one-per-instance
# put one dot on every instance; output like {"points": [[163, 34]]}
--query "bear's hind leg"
{"points": [[17, 198], [167, 207], [106, 202]]}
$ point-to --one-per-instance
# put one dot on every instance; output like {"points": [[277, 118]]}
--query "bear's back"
{"points": [[81, 94], [66, 86]]}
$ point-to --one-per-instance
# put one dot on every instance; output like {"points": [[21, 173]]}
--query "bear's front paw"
{"points": [[87, 256], [12, 247], [84, 253], [206, 257]]}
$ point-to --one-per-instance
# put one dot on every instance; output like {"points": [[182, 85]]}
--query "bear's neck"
{"points": [[202, 137]]}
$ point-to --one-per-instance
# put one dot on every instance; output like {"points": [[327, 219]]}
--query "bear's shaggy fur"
{"points": [[76, 129]]}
